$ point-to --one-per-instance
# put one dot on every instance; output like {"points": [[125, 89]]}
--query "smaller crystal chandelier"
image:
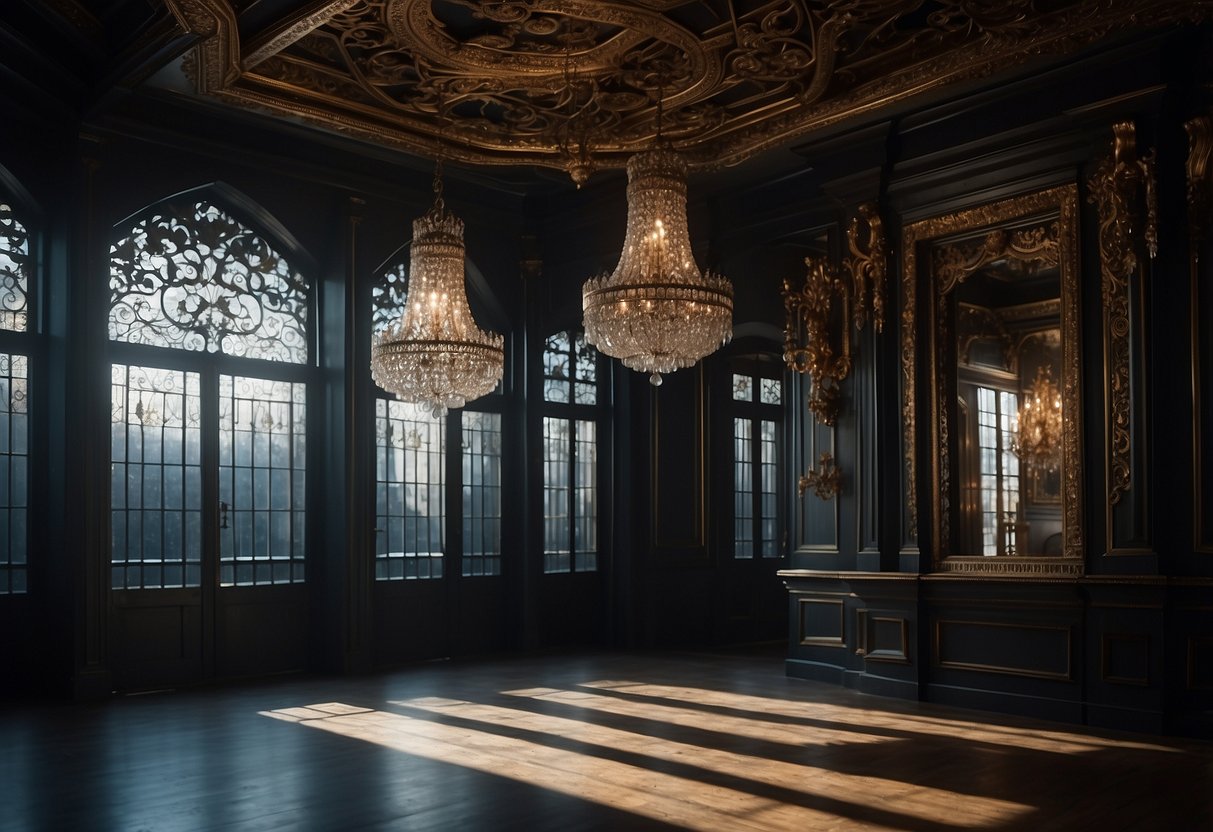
{"points": [[436, 355], [656, 312], [1037, 438]]}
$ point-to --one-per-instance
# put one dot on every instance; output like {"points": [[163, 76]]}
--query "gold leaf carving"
{"points": [[1115, 188]]}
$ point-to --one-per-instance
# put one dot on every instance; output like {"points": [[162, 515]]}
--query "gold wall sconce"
{"points": [[823, 316], [825, 480]]}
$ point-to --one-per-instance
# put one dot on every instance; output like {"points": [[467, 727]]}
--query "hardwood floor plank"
{"points": [[606, 741]]}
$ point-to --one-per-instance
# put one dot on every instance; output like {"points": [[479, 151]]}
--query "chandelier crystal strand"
{"points": [[656, 312], [1037, 439], [436, 355]]}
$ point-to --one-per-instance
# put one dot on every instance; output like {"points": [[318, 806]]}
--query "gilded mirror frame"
{"points": [[1046, 214]]}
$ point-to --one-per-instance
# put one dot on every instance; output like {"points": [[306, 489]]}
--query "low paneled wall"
{"points": [[1113, 651]]}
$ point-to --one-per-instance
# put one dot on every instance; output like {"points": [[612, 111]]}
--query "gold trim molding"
{"points": [[574, 84]]}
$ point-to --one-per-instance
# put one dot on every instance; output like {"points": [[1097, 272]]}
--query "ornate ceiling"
{"points": [[578, 85]]}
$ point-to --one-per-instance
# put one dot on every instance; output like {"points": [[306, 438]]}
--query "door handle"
{"points": [[223, 507]]}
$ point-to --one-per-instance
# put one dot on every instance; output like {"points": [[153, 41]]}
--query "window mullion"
{"points": [[571, 494]]}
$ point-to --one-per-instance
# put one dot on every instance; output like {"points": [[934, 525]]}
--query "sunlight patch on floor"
{"points": [[1036, 739], [815, 797]]}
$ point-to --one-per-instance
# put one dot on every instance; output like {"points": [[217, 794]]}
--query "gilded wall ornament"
{"points": [[825, 480], [820, 315], [1120, 183]]}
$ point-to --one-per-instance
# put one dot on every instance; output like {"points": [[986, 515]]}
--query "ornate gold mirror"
{"points": [[1005, 387]]}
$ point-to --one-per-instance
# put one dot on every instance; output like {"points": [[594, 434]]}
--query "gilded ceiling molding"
{"points": [[290, 29], [1115, 188], [1200, 215], [557, 82], [216, 58]]}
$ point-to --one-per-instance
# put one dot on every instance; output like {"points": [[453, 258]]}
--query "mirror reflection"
{"points": [[1009, 408]]}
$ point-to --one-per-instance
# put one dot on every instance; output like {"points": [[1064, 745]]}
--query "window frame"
{"points": [[572, 412], [30, 344], [757, 367], [210, 366]]}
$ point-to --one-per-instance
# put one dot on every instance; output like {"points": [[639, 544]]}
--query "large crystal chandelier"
{"points": [[656, 312], [1037, 437], [435, 355]]}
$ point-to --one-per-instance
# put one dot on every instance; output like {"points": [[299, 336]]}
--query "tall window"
{"points": [[570, 454], [481, 448], [757, 416], [999, 469], [189, 278], [411, 500], [410, 503], [16, 267]]}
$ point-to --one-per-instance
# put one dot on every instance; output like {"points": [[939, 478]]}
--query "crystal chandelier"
{"points": [[1037, 437], [435, 355], [656, 312]]}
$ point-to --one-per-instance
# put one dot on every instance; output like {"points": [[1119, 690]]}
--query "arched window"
{"points": [[191, 276], [210, 441], [16, 277], [417, 482]]}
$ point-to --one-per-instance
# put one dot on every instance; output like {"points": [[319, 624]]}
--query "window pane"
{"points": [[14, 471], [557, 368], [262, 430], [557, 537], [769, 486], [999, 469], [388, 297], [586, 387], [481, 493], [743, 489], [410, 515], [15, 268], [191, 277], [585, 497], [742, 388], [772, 391], [155, 453]]}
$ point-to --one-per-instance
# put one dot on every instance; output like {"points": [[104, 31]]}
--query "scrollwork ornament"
{"points": [[15, 268], [192, 277], [809, 336], [1120, 182], [868, 266], [1200, 179], [825, 480], [804, 66]]}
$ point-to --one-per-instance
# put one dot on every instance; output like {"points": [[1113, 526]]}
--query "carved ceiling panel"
{"points": [[578, 85]]}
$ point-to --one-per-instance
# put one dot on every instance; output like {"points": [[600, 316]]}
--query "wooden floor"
{"points": [[609, 741]]}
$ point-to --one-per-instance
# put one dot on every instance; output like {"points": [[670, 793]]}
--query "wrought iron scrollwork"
{"points": [[192, 277], [15, 265]]}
